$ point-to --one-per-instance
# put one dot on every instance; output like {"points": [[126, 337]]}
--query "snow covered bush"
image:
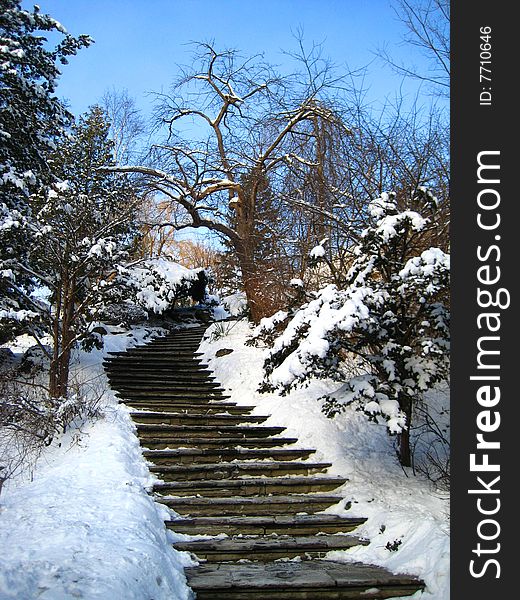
{"points": [[385, 334], [30, 419], [157, 284]]}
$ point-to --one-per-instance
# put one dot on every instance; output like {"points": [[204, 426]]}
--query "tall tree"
{"points": [[86, 226], [427, 24], [30, 119], [246, 125]]}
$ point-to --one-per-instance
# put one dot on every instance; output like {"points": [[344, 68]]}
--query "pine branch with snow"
{"points": [[391, 321]]}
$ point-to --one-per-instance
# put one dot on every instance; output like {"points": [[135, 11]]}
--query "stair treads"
{"points": [[324, 579], [251, 505], [195, 455], [268, 547], [265, 524], [250, 486], [232, 470]]}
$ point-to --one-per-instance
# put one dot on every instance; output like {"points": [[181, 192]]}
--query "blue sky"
{"points": [[139, 43]]}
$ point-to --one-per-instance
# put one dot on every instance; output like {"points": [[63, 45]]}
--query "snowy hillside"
{"points": [[404, 512], [84, 526]]}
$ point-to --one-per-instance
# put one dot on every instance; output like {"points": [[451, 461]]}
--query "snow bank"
{"points": [[85, 527]]}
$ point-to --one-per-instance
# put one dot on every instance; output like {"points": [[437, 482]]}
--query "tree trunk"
{"points": [[404, 452], [251, 280], [62, 341]]}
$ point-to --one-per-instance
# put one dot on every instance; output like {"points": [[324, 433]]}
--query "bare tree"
{"points": [[233, 125], [127, 125], [428, 28]]}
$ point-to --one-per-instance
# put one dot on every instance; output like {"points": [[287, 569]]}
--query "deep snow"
{"points": [[85, 527]]}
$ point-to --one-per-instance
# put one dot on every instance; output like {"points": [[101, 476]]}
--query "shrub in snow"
{"points": [[158, 284], [30, 418], [235, 304], [124, 314], [391, 319]]}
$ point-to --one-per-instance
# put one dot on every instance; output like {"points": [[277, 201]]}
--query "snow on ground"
{"points": [[403, 511], [84, 526]]}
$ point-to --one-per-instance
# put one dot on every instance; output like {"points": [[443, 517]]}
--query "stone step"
{"points": [[172, 363], [261, 486], [158, 371], [180, 378], [168, 388], [268, 548], [178, 346], [235, 470], [265, 525], [132, 399], [177, 388], [205, 431], [149, 356], [196, 455], [207, 408], [173, 418], [319, 580], [220, 442], [255, 505], [177, 342], [150, 350]]}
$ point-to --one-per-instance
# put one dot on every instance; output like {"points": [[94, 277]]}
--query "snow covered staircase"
{"points": [[224, 471]]}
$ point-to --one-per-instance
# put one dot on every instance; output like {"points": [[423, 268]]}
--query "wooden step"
{"points": [[265, 525], [317, 579], [255, 505], [220, 442], [234, 470], [268, 548], [197, 455], [203, 431], [170, 380], [253, 486], [174, 418], [190, 407], [179, 396]]}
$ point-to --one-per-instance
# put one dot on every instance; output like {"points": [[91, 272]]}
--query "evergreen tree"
{"points": [[30, 119], [386, 333], [85, 227]]}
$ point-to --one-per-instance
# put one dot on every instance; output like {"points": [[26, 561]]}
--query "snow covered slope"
{"points": [[404, 512], [85, 527]]}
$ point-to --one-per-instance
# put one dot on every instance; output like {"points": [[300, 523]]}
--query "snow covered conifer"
{"points": [[85, 227], [157, 284], [386, 333], [30, 119]]}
